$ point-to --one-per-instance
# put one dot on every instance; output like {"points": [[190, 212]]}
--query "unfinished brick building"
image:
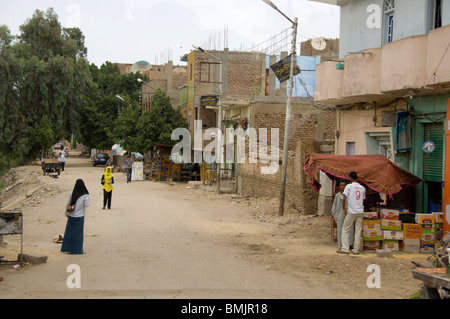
{"points": [[252, 97]]}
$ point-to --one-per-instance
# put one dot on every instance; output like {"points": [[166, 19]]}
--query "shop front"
{"points": [[389, 222]]}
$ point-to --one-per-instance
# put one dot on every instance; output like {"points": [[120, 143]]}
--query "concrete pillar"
{"points": [[169, 76], [325, 201], [225, 66], [272, 76]]}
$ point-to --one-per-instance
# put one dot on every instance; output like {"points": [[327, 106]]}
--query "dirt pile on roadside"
{"points": [[24, 187]]}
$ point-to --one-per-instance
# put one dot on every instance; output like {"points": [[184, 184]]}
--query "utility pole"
{"points": [[288, 121], [288, 108]]}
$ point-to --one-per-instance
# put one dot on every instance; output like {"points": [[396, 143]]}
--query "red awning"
{"points": [[375, 171]]}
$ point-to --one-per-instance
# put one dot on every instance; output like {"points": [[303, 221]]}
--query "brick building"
{"points": [[252, 97], [166, 77]]}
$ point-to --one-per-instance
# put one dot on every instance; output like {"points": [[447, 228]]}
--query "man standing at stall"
{"points": [[354, 195]]}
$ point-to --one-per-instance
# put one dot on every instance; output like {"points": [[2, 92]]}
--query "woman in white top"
{"points": [[75, 211]]}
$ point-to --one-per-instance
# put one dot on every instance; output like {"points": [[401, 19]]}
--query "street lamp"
{"points": [[118, 106], [142, 90], [288, 109], [219, 117]]}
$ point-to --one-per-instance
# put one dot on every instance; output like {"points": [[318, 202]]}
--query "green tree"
{"points": [[156, 126], [101, 125], [44, 74], [126, 130], [12, 126]]}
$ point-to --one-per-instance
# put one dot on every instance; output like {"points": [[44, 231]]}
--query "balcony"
{"points": [[403, 66], [329, 83], [416, 64]]}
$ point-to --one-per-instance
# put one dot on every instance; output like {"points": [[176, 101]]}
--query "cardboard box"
{"points": [[388, 224], [439, 228], [372, 245], [438, 218], [391, 214], [427, 238], [410, 245], [371, 215], [429, 228], [391, 245], [426, 248], [372, 235], [412, 231], [371, 225], [393, 234], [425, 219]]}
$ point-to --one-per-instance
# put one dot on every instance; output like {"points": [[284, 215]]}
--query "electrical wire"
{"points": [[442, 58]]}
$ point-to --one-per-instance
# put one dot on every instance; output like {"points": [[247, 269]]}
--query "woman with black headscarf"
{"points": [[75, 211]]}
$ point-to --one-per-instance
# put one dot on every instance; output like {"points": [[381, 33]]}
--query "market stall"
{"points": [[161, 167], [394, 228]]}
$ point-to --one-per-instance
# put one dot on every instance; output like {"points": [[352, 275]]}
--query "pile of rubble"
{"points": [[22, 188]]}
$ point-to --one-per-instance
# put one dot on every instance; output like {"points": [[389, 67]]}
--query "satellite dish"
{"points": [[319, 44], [141, 66]]}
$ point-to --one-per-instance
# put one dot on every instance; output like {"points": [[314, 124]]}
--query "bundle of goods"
{"points": [[389, 232]]}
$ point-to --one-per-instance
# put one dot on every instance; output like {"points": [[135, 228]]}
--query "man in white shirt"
{"points": [[62, 159], [354, 195]]}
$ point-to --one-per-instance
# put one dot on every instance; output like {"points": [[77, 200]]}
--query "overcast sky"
{"points": [[127, 31]]}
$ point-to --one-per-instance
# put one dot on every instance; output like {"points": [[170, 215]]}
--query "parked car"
{"points": [[58, 146], [101, 159]]}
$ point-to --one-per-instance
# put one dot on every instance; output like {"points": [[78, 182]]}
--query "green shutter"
{"points": [[433, 163]]}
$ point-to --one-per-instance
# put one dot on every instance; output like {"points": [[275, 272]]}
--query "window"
{"points": [[209, 72], [389, 8], [437, 15]]}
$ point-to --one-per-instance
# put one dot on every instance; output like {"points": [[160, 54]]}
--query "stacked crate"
{"points": [[391, 226], [371, 232], [428, 232], [411, 238]]}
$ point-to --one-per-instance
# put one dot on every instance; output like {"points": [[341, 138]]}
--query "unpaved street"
{"points": [[169, 241]]}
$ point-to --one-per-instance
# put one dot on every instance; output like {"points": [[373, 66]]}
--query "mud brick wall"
{"points": [[308, 132], [298, 188], [303, 126]]}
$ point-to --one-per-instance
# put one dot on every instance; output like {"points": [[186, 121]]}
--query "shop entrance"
{"points": [[433, 167]]}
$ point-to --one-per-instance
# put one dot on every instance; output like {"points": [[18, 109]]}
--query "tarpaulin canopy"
{"points": [[375, 171]]}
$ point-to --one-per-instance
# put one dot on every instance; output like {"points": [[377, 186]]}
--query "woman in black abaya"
{"points": [[75, 212]]}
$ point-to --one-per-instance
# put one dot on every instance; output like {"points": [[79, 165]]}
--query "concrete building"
{"points": [[391, 87], [253, 97]]}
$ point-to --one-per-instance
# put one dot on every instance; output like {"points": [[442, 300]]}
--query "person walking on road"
{"points": [[129, 166], [354, 196], [62, 160], [107, 182], [75, 212]]}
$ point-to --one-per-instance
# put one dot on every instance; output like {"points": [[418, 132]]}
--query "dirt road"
{"points": [[168, 241]]}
